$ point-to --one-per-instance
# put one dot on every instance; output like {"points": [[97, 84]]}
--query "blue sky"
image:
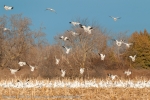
{"points": [[134, 14]]}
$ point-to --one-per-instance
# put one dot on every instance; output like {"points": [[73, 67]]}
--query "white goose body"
{"points": [[86, 29], [118, 43], [67, 49], [57, 61], [8, 7], [22, 63], [128, 44], [32, 68], [132, 58], [64, 38], [74, 33], [81, 70], [112, 76], [13, 71], [63, 72], [74, 23], [50, 9], [115, 18], [128, 72], [102, 56]]}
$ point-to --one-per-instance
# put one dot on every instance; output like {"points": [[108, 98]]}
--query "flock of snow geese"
{"points": [[75, 84], [88, 30], [21, 64]]}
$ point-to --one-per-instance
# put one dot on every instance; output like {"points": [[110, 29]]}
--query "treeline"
{"points": [[20, 43]]}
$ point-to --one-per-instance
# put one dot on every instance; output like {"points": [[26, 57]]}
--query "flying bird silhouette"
{"points": [[52, 10], [115, 18]]}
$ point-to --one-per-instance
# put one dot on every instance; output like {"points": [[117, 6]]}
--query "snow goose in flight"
{"points": [[112, 76], [5, 29], [22, 63], [132, 58], [128, 44], [102, 56], [119, 43], [74, 23], [57, 60], [86, 29], [50, 9], [81, 70], [67, 49], [64, 38], [8, 7], [63, 72], [128, 72], [74, 33], [13, 71], [115, 18], [32, 68]]}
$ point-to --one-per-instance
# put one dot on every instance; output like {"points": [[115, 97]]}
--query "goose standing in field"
{"points": [[13, 71], [132, 58], [74, 23], [63, 72], [50, 9], [67, 49], [102, 56], [127, 73], [86, 29], [81, 71], [64, 38], [22, 63], [73, 33], [118, 43], [128, 44], [115, 18], [112, 76], [8, 7]]}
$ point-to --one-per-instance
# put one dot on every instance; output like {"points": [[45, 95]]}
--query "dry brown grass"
{"points": [[75, 94]]}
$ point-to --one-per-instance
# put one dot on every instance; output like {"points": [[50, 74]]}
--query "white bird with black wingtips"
{"points": [[67, 49], [118, 43], [128, 44], [32, 68], [115, 18], [57, 60], [64, 38], [63, 72], [74, 23], [50, 9], [86, 28], [73, 33], [13, 71], [132, 58], [112, 76], [8, 7], [128, 72], [102, 56]]}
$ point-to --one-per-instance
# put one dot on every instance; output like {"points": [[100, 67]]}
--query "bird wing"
{"points": [[118, 17], [112, 17], [81, 25]]}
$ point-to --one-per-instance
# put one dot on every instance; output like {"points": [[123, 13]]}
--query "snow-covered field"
{"points": [[97, 83]]}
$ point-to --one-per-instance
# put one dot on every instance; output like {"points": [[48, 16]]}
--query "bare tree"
{"points": [[17, 43]]}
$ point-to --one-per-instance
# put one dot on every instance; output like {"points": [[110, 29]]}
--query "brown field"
{"points": [[79, 93], [75, 94]]}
